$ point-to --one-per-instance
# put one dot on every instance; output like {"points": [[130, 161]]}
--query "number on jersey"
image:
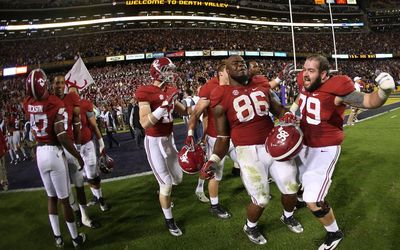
{"points": [[313, 109], [39, 124], [247, 106]]}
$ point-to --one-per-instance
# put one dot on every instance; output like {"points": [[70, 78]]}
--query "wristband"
{"points": [[190, 132], [158, 113]]}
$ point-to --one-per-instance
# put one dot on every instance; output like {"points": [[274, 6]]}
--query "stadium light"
{"points": [[170, 18]]}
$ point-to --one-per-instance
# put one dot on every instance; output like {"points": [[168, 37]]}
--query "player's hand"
{"points": [[189, 141], [207, 171], [170, 99], [288, 117], [287, 74], [385, 81], [101, 145]]}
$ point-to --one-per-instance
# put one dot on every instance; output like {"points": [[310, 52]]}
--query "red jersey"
{"points": [[260, 80], [205, 93], [247, 110], [42, 115], [70, 100], [86, 130], [155, 96], [321, 119], [13, 124]]}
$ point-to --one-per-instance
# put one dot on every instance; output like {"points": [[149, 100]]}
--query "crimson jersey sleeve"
{"points": [[205, 91], [142, 95], [75, 100], [217, 96], [260, 80], [339, 85]]}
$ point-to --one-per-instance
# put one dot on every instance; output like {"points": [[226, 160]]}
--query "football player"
{"points": [[354, 110], [241, 114], [322, 103], [156, 104], [88, 149], [210, 136], [3, 171], [46, 117], [72, 123]]}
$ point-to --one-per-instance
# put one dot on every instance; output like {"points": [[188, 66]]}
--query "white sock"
{"points": [[16, 155], [332, 227], [251, 224], [83, 212], [23, 151], [167, 213], [200, 186], [55, 224], [96, 192], [287, 214], [214, 200], [72, 229]]}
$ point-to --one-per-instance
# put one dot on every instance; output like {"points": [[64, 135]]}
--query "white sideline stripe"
{"points": [[393, 116], [103, 181], [370, 117]]}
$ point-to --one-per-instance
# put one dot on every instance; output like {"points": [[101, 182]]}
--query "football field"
{"points": [[365, 195]]}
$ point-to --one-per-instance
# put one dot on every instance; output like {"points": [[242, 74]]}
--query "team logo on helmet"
{"points": [[105, 163], [284, 142], [191, 159]]}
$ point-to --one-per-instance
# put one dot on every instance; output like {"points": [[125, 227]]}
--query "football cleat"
{"points": [[219, 212], [284, 142], [90, 223], [78, 241], [202, 197], [332, 240], [235, 171], [103, 205], [172, 227], [59, 242], [93, 202], [254, 235], [292, 224]]}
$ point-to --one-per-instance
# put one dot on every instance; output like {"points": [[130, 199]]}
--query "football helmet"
{"points": [[36, 84], [163, 70], [105, 163], [191, 159], [284, 142]]}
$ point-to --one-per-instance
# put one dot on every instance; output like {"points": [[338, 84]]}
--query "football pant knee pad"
{"points": [[94, 181], [165, 189], [325, 208]]}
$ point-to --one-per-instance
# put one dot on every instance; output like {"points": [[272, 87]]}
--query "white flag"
{"points": [[79, 76]]}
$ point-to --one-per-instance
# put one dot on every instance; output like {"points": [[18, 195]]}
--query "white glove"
{"points": [[101, 145], [385, 81], [386, 85]]}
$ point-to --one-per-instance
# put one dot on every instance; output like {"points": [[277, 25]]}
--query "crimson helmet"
{"points": [[106, 163], [162, 69], [36, 84], [284, 142], [191, 159]]}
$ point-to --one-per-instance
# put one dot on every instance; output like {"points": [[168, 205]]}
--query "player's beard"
{"points": [[242, 79], [315, 85]]}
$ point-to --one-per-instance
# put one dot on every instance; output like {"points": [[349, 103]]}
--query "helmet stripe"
{"points": [[33, 84]]}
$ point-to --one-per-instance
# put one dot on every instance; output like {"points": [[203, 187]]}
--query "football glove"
{"points": [[385, 81], [288, 117], [170, 99]]}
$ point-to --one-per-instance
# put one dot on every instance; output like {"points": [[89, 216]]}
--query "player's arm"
{"points": [[147, 118], [276, 108], [63, 138], [76, 124], [371, 100], [201, 105], [92, 121], [295, 105], [181, 109], [221, 145]]}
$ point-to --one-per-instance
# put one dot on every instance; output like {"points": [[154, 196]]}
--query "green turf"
{"points": [[364, 195]]}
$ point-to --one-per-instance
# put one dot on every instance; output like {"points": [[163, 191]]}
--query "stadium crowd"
{"points": [[31, 51]]}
